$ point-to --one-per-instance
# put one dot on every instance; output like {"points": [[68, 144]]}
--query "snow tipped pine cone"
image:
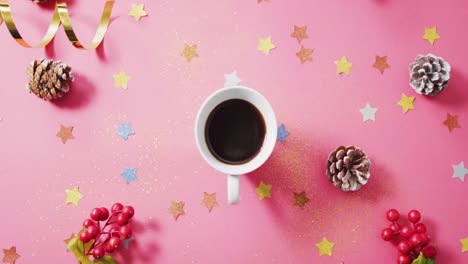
{"points": [[348, 168], [48, 79], [429, 74]]}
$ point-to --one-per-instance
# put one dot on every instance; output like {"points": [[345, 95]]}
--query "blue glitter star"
{"points": [[126, 242], [129, 174], [125, 130], [282, 133]]}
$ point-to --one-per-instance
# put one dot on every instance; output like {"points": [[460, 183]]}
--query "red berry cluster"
{"points": [[108, 238], [411, 240]]}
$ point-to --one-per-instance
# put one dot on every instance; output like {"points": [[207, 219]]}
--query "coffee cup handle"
{"points": [[233, 189]]}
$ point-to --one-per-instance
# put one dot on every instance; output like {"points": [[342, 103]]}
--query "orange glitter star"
{"points": [[300, 199], [381, 63], [209, 200], [10, 255], [451, 122], [300, 33], [176, 209], [304, 54], [65, 133], [189, 52]]}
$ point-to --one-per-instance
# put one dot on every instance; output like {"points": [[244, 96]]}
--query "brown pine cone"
{"points": [[48, 79], [348, 168]]}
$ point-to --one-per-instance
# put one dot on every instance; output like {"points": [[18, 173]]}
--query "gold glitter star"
{"points": [[209, 200], [300, 199], [265, 45], [65, 133], [138, 11], [304, 54], [121, 80], [325, 247], [176, 209], [343, 65], [189, 52], [300, 33], [381, 63], [464, 242], [406, 102], [263, 190], [261, 1], [451, 122], [10, 255], [430, 34], [73, 196]]}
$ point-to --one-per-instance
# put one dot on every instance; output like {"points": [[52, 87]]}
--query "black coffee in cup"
{"points": [[235, 131]]}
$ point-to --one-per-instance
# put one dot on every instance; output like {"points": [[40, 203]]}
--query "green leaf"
{"points": [[106, 260], [76, 247], [430, 261], [420, 260]]}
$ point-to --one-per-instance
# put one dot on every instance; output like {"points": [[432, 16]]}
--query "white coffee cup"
{"points": [[234, 171]]}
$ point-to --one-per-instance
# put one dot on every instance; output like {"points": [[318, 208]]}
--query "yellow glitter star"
{"points": [[343, 65], [121, 79], [209, 200], [73, 196], [263, 190], [10, 256], [325, 247], [138, 11], [65, 133], [431, 34], [265, 45], [406, 102], [464, 242], [189, 52], [176, 209]]}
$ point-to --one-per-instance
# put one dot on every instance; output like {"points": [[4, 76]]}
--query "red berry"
{"points": [[393, 215], [420, 228], [425, 239], [128, 212], [88, 222], [404, 247], [403, 259], [85, 237], [429, 251], [414, 216], [415, 240], [406, 231], [126, 232], [114, 242], [108, 248], [96, 214], [98, 252], [122, 220], [386, 234], [114, 231], [394, 227], [104, 214], [116, 207], [93, 231]]}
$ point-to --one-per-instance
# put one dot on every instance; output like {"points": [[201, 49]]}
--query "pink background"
{"points": [[412, 153]]}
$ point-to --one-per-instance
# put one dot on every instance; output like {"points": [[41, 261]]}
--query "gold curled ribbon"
{"points": [[62, 16]]}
